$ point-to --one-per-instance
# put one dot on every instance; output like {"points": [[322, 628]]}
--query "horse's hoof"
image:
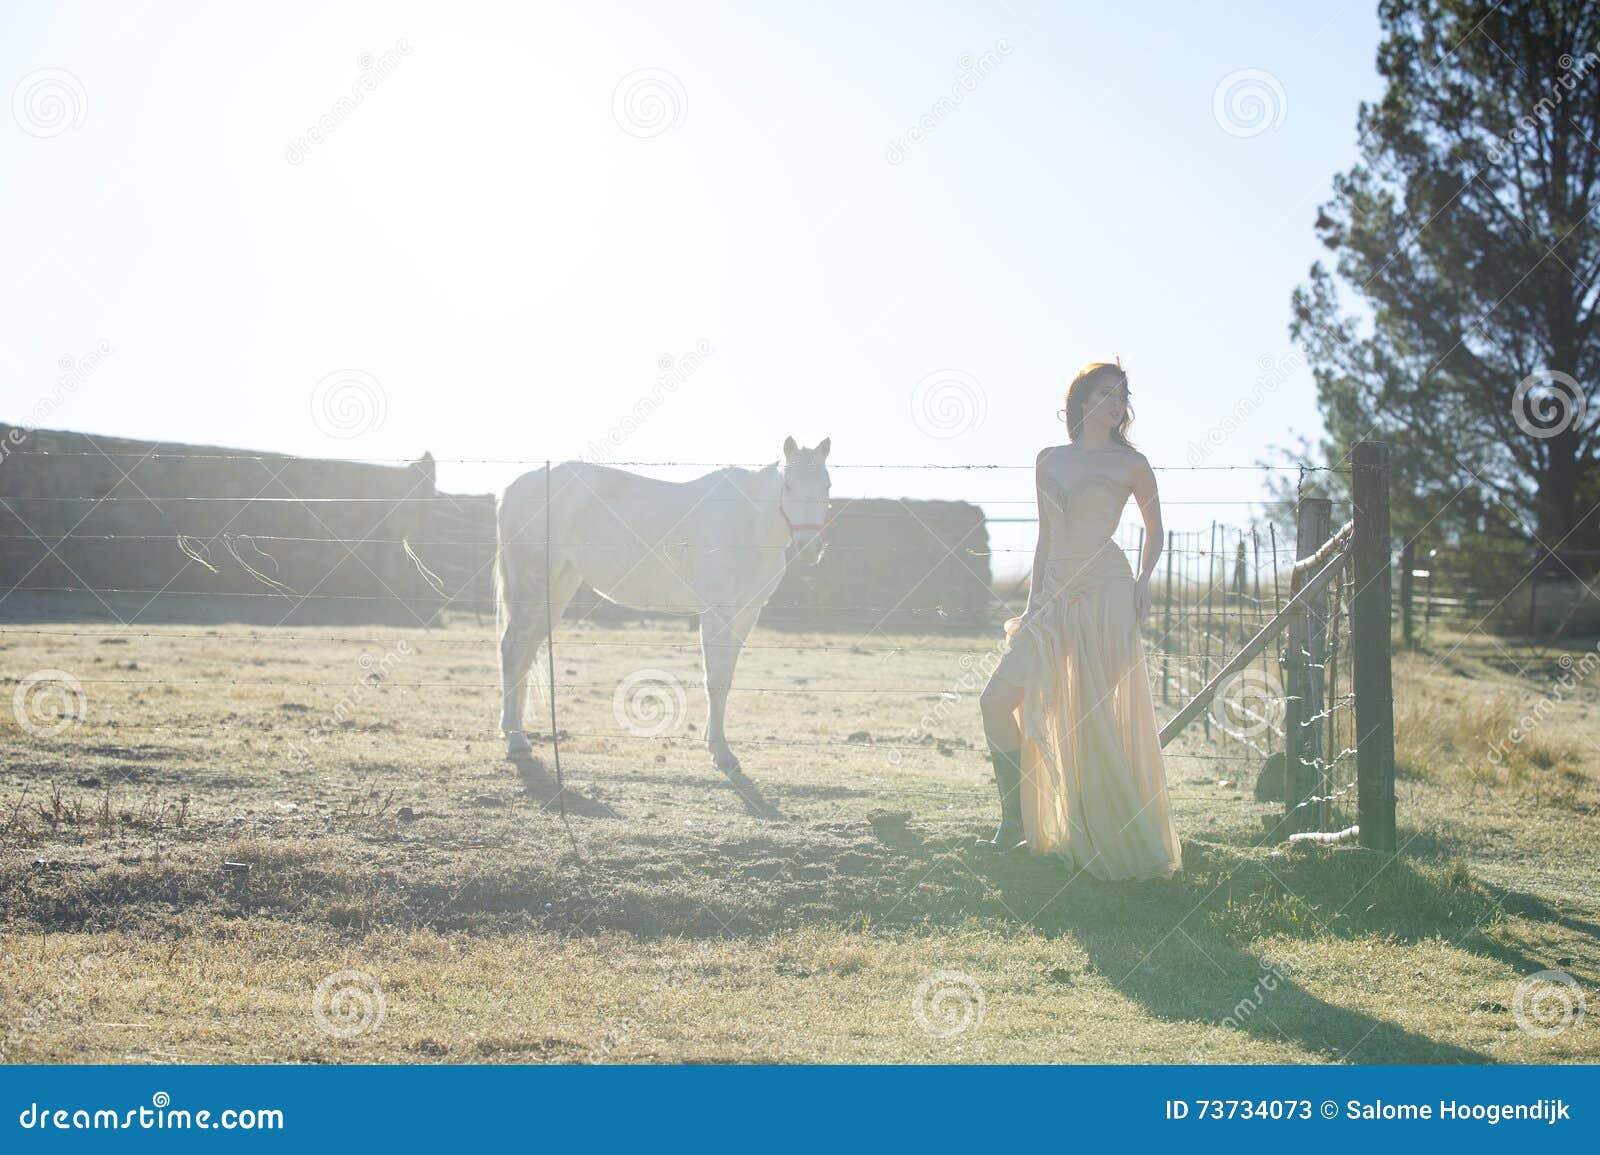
{"points": [[517, 744]]}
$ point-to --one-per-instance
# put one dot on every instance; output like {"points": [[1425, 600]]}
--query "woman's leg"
{"points": [[999, 702]]}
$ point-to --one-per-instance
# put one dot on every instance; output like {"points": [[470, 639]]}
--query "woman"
{"points": [[1067, 713]]}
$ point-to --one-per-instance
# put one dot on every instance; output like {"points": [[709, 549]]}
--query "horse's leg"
{"points": [[722, 633], [522, 631], [519, 647]]}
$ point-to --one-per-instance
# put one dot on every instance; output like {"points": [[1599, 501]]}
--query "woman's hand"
{"points": [[1141, 598]]}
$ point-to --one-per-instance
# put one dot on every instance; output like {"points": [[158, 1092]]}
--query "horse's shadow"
{"points": [[750, 794], [541, 786]]}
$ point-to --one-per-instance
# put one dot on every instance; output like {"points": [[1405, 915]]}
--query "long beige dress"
{"points": [[1094, 787]]}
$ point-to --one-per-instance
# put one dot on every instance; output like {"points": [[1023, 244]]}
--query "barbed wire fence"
{"points": [[1217, 590]]}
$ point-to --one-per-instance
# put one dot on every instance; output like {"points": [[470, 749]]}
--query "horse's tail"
{"points": [[504, 594], [520, 509]]}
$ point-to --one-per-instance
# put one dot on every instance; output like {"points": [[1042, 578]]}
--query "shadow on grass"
{"points": [[540, 785], [1182, 947]]}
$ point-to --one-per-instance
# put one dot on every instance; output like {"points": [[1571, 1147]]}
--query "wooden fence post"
{"points": [[1307, 650], [1370, 638]]}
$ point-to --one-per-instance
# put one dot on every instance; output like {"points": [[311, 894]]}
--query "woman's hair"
{"points": [[1092, 375]]}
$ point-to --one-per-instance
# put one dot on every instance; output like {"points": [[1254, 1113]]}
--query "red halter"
{"points": [[817, 526]]}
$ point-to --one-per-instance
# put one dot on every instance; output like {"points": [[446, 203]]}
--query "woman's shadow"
{"points": [[1166, 945]]}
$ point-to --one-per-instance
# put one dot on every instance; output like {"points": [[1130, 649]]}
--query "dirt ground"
{"points": [[306, 845]]}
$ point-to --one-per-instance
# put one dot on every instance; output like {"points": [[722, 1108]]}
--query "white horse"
{"points": [[716, 546]]}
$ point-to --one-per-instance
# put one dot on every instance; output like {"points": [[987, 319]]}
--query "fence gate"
{"points": [[1335, 657]]}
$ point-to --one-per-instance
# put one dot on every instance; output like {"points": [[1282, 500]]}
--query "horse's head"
{"points": [[804, 500]]}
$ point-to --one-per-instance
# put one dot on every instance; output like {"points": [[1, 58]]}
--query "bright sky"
{"points": [[496, 247]]}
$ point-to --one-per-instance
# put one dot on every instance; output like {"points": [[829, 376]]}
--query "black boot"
{"points": [[1008, 778]]}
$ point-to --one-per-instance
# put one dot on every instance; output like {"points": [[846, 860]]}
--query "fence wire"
{"points": [[1214, 589]]}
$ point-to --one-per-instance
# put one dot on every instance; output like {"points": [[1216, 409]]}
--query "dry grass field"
{"points": [[242, 817]]}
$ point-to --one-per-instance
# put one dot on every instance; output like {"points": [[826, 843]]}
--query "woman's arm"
{"points": [[1144, 491], [1036, 591]]}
